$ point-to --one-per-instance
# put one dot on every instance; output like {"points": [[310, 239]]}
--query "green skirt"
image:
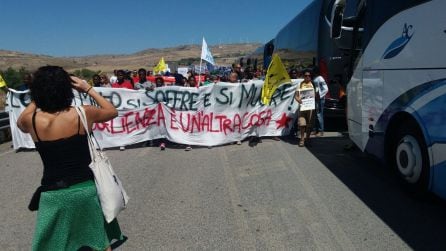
{"points": [[71, 218]]}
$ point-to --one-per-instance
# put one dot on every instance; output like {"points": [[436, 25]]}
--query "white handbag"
{"points": [[112, 195]]}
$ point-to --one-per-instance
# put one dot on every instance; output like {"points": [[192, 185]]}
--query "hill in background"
{"points": [[184, 55]]}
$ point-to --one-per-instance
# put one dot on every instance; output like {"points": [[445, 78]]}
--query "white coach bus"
{"points": [[396, 93]]}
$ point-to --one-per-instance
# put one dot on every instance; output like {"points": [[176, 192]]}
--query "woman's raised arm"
{"points": [[106, 111]]}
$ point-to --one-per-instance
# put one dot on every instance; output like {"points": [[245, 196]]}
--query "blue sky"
{"points": [[80, 27]]}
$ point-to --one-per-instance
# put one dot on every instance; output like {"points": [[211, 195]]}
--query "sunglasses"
{"points": [[306, 75]]}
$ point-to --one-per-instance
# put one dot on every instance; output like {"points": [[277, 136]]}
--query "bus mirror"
{"points": [[336, 21]]}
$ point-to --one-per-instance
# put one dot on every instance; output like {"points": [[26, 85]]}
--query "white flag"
{"points": [[206, 53]]}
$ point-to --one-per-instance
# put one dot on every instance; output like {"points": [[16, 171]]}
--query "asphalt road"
{"points": [[271, 196]]}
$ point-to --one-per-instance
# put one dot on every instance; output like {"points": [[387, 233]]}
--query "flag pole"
{"points": [[201, 60], [199, 75]]}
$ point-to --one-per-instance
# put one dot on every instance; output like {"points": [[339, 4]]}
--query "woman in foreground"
{"points": [[69, 214]]}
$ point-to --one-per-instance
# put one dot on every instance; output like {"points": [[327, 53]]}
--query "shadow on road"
{"points": [[419, 221]]}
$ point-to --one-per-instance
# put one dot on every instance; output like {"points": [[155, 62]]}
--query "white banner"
{"points": [[207, 116]]}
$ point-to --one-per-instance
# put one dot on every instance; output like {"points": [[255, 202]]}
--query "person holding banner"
{"points": [[214, 79], [105, 82], [69, 213], [305, 96], [122, 82], [191, 82], [114, 78], [142, 83], [159, 81], [96, 80], [237, 68], [233, 78]]}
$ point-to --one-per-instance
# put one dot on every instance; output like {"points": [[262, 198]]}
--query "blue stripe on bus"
{"points": [[431, 118], [376, 144]]}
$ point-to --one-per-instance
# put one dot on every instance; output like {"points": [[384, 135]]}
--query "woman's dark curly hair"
{"points": [[51, 89]]}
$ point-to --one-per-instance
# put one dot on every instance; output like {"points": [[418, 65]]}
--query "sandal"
{"points": [[301, 143]]}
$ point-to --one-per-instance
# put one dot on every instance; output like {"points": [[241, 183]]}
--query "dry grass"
{"points": [[224, 54]]}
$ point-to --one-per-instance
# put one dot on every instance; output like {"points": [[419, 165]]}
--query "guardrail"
{"points": [[4, 120], [5, 132]]}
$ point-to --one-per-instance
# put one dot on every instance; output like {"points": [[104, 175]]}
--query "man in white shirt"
{"points": [[114, 78], [321, 90]]}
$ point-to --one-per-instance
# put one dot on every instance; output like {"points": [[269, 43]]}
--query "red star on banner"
{"points": [[283, 121]]}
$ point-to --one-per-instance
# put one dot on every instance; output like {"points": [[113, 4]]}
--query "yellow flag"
{"points": [[275, 76], [2, 82], [161, 66]]}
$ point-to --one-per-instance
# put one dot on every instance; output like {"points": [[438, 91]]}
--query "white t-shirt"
{"points": [[321, 86], [113, 79]]}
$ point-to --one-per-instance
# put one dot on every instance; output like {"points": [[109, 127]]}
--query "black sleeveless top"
{"points": [[64, 159]]}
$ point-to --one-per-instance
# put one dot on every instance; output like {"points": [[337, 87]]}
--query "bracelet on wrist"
{"points": [[89, 89]]}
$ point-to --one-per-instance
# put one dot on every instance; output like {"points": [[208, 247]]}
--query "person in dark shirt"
{"points": [[96, 80], [27, 80], [294, 74], [159, 81], [178, 78]]}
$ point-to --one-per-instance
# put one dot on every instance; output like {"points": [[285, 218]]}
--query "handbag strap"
{"points": [[81, 112]]}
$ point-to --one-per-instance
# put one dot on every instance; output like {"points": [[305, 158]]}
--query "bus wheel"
{"points": [[411, 158]]}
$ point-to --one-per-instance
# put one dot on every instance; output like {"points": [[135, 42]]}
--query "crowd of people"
{"points": [[309, 122], [143, 79]]}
